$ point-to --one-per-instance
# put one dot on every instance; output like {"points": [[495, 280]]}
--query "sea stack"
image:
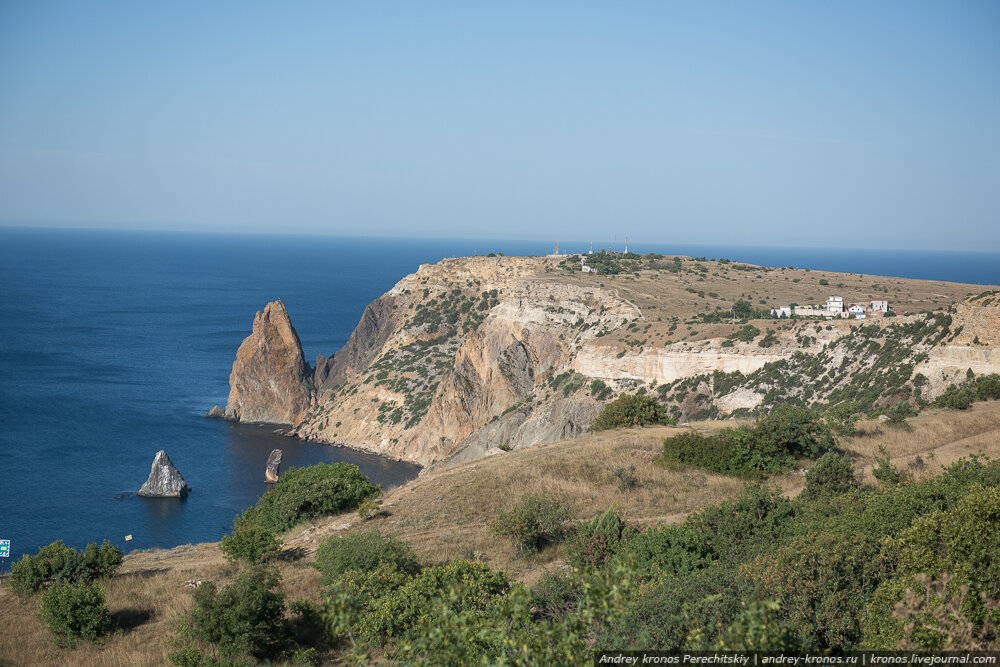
{"points": [[164, 480], [273, 463], [271, 381]]}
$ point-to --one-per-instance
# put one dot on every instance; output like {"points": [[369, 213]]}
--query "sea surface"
{"points": [[113, 345]]}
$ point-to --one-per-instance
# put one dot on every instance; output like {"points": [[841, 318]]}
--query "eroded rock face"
{"points": [[270, 382], [164, 480], [273, 464]]}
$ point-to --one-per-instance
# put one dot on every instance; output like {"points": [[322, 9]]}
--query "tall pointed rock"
{"points": [[271, 381]]}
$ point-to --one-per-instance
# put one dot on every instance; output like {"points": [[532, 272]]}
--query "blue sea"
{"points": [[113, 344]]}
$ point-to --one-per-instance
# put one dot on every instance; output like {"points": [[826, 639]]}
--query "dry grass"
{"points": [[445, 514], [660, 295], [936, 438]]}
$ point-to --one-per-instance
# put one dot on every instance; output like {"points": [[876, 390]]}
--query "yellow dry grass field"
{"points": [[667, 299], [445, 514]]}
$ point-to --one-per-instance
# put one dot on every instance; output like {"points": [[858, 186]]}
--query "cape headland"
{"points": [[480, 354]]}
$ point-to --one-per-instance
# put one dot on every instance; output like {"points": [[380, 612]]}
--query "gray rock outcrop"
{"points": [[273, 464], [164, 480]]}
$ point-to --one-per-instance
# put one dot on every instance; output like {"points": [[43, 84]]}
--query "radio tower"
{"points": [[626, 244]]}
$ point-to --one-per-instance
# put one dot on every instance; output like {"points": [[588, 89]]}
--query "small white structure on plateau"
{"points": [[555, 253], [835, 304], [880, 305], [782, 312]]}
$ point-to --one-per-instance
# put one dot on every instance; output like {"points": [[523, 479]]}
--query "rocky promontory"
{"points": [[475, 353]]}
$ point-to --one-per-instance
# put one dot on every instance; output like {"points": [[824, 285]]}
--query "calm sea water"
{"points": [[114, 344]]}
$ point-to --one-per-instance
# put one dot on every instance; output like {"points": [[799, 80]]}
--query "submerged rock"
{"points": [[273, 463], [164, 480]]}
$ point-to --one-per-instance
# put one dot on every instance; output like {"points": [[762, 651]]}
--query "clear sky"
{"points": [[767, 123]]}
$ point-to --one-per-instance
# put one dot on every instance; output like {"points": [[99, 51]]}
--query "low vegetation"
{"points": [[632, 410], [770, 447], [302, 494]]}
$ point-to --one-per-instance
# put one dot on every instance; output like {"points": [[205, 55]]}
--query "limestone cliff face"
{"points": [[270, 381], [450, 349], [471, 354]]}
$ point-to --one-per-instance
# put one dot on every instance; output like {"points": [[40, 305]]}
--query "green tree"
{"points": [[532, 523], [363, 551], [75, 611], [250, 543], [246, 617], [832, 475], [632, 410]]}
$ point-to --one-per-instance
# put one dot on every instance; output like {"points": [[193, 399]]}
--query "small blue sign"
{"points": [[4, 548]]}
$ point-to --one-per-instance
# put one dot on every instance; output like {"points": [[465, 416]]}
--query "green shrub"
{"points": [[363, 551], [770, 447], [384, 604], [666, 551], [962, 542], [885, 470], [75, 611], [956, 398], [102, 561], [822, 583], [832, 475], [534, 522], [557, 594], [595, 542], [632, 410], [60, 563], [730, 452], [306, 493], [796, 430], [987, 387], [246, 617], [898, 412], [250, 543]]}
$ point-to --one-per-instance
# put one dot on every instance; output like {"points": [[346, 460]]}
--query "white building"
{"points": [[855, 309], [835, 304], [880, 305], [782, 312]]}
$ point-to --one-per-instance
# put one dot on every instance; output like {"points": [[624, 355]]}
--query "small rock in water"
{"points": [[273, 463], [216, 413], [164, 480]]}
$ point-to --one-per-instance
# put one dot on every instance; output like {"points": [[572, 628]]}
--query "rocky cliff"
{"points": [[472, 354], [270, 381]]}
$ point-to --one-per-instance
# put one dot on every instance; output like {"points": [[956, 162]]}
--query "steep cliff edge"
{"points": [[473, 354], [270, 381]]}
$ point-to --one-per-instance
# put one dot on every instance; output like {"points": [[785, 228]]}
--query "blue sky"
{"points": [[774, 123]]}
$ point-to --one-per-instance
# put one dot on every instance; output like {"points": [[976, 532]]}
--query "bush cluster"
{"points": [[632, 410], [597, 541], [75, 611], [832, 475], [535, 521], [307, 493], [363, 551], [770, 447], [57, 562], [250, 543], [962, 396]]}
